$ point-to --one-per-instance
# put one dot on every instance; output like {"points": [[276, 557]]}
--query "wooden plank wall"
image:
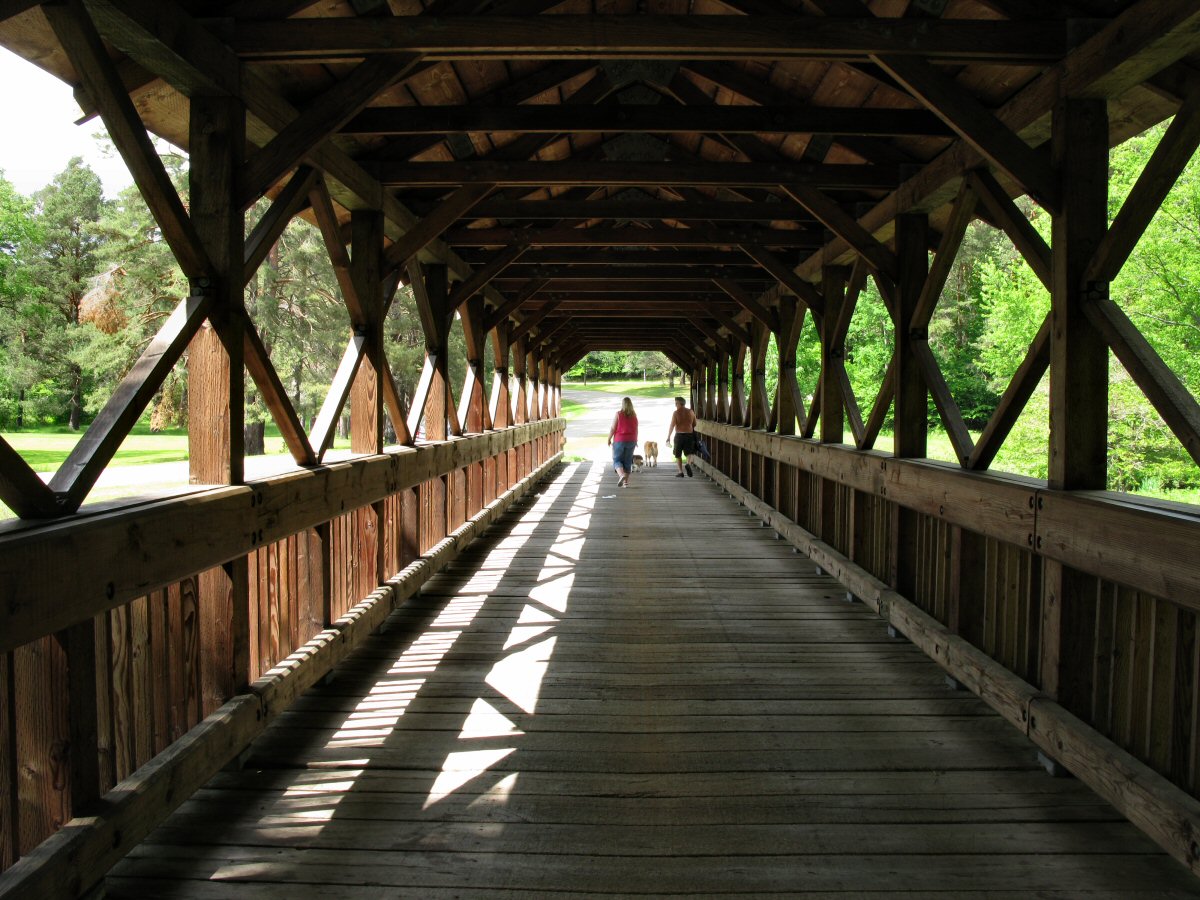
{"points": [[1144, 688], [150, 657]]}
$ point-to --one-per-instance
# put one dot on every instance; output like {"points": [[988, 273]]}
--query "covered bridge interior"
{"points": [[697, 177]]}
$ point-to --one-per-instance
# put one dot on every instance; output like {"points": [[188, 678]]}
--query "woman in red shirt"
{"points": [[622, 437]]}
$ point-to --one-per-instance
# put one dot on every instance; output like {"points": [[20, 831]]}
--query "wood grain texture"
{"points": [[560, 712]]}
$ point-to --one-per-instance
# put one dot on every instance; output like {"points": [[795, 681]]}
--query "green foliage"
{"points": [[623, 364], [58, 268]]}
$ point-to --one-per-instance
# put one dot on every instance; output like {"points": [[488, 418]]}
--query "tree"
{"points": [[18, 229], [61, 266], [138, 286]]}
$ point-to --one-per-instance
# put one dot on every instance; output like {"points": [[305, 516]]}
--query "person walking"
{"points": [[683, 426], [622, 437]]}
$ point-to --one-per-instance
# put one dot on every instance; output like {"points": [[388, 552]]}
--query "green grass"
{"points": [[45, 449], [635, 388], [572, 410]]}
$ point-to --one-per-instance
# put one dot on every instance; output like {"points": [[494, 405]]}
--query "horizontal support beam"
{"points": [[626, 272], [680, 210], [630, 237], [631, 174], [641, 36], [176, 538], [614, 257], [656, 119]]}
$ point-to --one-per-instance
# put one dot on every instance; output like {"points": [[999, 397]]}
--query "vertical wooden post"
{"points": [[833, 418], [366, 394], [520, 359], [737, 403], [1078, 388], [760, 406], [556, 411], [440, 400], [216, 383], [722, 412], [79, 642], [787, 396], [501, 410], [791, 318], [544, 373], [472, 407], [911, 403]]}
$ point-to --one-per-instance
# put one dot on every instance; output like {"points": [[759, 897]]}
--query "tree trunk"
{"points": [[255, 436], [76, 402], [21, 409]]}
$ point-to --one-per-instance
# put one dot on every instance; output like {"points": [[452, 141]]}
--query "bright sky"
{"points": [[39, 135]]}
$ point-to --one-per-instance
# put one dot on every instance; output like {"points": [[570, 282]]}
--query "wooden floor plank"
{"points": [[632, 693]]}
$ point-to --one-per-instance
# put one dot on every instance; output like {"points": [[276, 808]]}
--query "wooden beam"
{"points": [[532, 320], [1173, 153], [624, 37], [689, 210], [20, 487], [655, 119], [274, 395], [763, 314], [786, 276], [631, 174], [961, 215], [976, 125], [879, 409], [736, 330], [947, 406], [319, 120], [431, 227], [844, 226], [366, 396], [394, 406], [482, 276], [202, 65], [911, 413], [1031, 245], [291, 200], [339, 258], [79, 38], [1169, 396], [629, 237], [532, 261], [645, 274], [506, 309], [325, 426]]}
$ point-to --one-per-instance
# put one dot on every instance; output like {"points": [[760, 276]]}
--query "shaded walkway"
{"points": [[633, 692]]}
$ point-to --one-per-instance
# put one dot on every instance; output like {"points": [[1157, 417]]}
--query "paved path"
{"points": [[587, 435]]}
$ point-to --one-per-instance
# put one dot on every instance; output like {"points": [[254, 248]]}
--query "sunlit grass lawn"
{"points": [[572, 409], [45, 449], [634, 388]]}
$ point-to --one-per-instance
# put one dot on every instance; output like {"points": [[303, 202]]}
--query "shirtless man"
{"points": [[683, 426]]}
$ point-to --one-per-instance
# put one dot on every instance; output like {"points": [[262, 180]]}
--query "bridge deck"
{"points": [[634, 692]]}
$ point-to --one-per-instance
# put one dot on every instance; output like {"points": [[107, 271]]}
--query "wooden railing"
{"points": [[126, 682], [954, 561]]}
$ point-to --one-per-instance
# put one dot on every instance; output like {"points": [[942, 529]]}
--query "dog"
{"points": [[651, 452], [638, 461]]}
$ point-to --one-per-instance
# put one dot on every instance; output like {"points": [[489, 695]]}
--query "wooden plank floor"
{"points": [[636, 693]]}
